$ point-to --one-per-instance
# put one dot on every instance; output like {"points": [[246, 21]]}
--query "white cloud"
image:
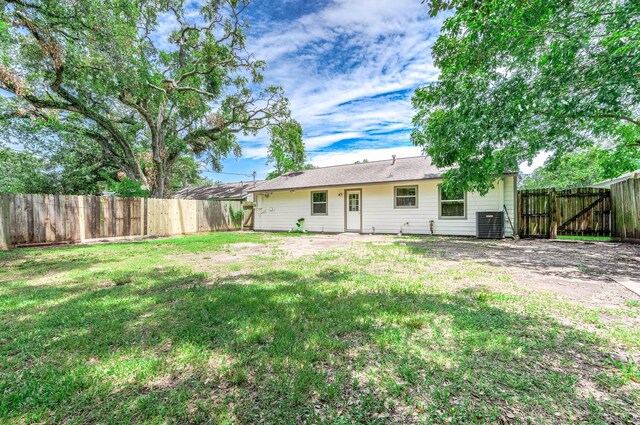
{"points": [[339, 64], [317, 142], [325, 159], [255, 152]]}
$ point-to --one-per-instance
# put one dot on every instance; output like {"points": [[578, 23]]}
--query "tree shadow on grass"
{"points": [[53, 261], [25, 267], [287, 346]]}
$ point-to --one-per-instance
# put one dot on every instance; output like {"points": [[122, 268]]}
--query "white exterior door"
{"points": [[354, 211]]}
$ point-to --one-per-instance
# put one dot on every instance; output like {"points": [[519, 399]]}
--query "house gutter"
{"points": [[352, 184]]}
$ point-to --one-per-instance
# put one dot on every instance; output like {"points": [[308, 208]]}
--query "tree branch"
{"points": [[55, 52], [619, 117], [196, 90], [142, 111]]}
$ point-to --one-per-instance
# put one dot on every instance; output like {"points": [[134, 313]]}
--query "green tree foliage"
{"points": [[186, 172], [583, 168], [521, 77], [124, 187], [21, 172], [74, 168], [78, 164], [273, 174], [286, 151], [110, 73]]}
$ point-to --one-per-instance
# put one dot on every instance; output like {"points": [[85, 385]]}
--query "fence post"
{"points": [[143, 211], [554, 209], [81, 219], [520, 215], [243, 216], [145, 216], [5, 235]]}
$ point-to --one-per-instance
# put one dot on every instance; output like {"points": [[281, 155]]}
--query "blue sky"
{"points": [[349, 68]]}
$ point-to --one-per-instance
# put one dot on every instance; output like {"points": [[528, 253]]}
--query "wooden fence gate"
{"points": [[546, 213], [247, 216]]}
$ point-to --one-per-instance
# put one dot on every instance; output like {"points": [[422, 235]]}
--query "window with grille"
{"points": [[319, 201], [452, 203], [406, 197]]}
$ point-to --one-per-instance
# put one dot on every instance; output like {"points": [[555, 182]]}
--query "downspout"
{"points": [[501, 193], [501, 199]]}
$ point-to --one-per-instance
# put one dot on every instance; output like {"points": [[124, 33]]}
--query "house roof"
{"points": [[235, 190], [607, 183], [404, 169]]}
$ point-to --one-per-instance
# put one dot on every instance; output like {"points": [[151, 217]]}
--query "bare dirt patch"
{"points": [[314, 244], [233, 253], [579, 271], [286, 248], [583, 272]]}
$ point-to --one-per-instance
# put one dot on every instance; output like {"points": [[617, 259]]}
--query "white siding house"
{"points": [[411, 206]]}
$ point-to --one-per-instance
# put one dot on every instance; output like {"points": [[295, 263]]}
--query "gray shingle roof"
{"points": [[404, 169], [607, 183], [236, 190]]}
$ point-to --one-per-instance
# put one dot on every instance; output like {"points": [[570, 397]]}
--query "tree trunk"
{"points": [[159, 189], [159, 157]]}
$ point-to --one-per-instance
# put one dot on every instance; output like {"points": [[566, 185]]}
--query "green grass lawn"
{"points": [[585, 238], [177, 331]]}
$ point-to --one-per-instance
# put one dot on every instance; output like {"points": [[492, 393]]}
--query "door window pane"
{"points": [[354, 202]]}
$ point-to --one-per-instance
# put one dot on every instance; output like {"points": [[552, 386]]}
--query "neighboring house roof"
{"points": [[607, 183], [402, 169], [235, 190]]}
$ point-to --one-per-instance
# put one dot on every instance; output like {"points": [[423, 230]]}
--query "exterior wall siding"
{"points": [[279, 211]]}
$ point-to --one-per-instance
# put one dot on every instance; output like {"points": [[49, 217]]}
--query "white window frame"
{"points": [[396, 196], [326, 202], [442, 202]]}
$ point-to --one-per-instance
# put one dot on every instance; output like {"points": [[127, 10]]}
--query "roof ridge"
{"points": [[241, 182], [416, 168], [359, 163]]}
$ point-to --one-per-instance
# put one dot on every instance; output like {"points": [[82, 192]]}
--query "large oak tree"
{"points": [[148, 81], [521, 77]]}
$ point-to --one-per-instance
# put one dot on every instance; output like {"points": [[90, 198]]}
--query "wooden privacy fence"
{"points": [[625, 199], [52, 219], [546, 213]]}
